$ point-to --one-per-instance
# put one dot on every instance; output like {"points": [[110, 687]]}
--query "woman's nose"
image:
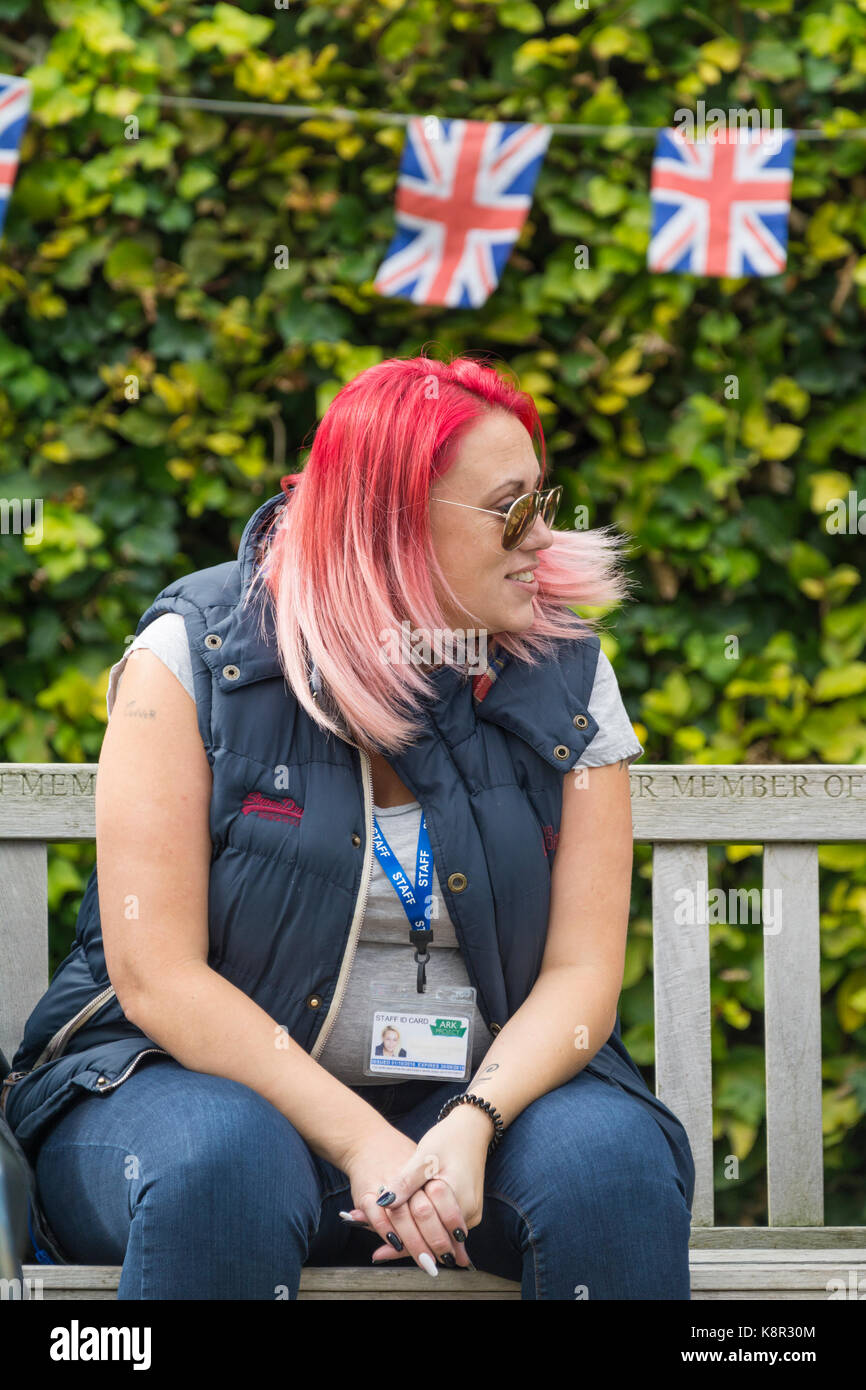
{"points": [[538, 537]]}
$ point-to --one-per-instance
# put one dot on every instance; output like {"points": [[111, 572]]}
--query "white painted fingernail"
{"points": [[346, 1215], [430, 1265]]}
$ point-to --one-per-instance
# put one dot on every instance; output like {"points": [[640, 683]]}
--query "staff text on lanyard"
{"points": [[417, 902]]}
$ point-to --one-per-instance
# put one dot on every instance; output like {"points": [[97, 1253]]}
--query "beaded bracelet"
{"points": [[468, 1099]]}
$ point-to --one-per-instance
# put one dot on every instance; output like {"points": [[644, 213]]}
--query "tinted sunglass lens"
{"points": [[520, 518], [551, 506]]}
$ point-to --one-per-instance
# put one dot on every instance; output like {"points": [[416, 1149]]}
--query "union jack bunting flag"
{"points": [[14, 110], [463, 194], [720, 206]]}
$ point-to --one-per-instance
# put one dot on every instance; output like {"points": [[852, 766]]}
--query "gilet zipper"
{"points": [[57, 1044], [8, 1083], [360, 906], [133, 1064]]}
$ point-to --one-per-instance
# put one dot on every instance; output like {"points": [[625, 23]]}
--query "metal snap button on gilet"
{"points": [[231, 673], [580, 721], [495, 1028], [213, 641], [314, 1001], [561, 751], [457, 882], [356, 840]]}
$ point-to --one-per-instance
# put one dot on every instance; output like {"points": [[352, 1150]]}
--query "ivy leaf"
{"points": [[400, 39], [780, 441], [606, 197], [140, 427], [129, 264], [840, 682], [231, 30], [310, 323], [775, 60], [851, 1001], [725, 53], [823, 240], [521, 15], [194, 179], [611, 42], [739, 1090]]}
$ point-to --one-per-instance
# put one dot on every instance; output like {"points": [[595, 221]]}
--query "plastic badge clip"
{"points": [[422, 972], [421, 938]]}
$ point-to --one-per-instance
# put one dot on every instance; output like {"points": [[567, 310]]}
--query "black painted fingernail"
{"points": [[459, 1234], [386, 1199], [448, 1260], [394, 1239]]}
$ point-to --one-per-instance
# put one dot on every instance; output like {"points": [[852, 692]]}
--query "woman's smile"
{"points": [[526, 579]]}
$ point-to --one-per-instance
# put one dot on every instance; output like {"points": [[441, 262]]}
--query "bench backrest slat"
{"points": [[23, 936], [792, 1029], [681, 993]]}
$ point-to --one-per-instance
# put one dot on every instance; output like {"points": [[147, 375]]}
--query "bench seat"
{"points": [[757, 1273]]}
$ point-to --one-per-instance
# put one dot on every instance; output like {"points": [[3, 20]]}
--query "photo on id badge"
{"points": [[429, 1034]]}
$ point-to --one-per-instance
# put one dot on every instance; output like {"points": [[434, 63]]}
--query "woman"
{"points": [[191, 1087], [390, 1043]]}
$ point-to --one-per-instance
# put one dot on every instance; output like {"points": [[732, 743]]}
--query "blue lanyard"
{"points": [[417, 902]]}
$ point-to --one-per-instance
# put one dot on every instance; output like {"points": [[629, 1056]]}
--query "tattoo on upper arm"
{"points": [[133, 711]]}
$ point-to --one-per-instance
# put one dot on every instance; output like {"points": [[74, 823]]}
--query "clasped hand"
{"points": [[438, 1187]]}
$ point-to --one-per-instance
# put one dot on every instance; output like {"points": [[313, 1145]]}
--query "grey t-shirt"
{"points": [[383, 951]]}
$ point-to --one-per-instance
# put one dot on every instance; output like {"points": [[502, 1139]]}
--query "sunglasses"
{"points": [[521, 515]]}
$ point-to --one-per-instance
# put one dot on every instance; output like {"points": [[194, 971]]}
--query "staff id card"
{"points": [[419, 1035]]}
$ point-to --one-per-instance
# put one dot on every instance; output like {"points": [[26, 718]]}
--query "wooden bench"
{"points": [[679, 810]]}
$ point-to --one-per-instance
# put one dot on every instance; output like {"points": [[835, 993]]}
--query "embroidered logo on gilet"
{"points": [[254, 803], [550, 840]]}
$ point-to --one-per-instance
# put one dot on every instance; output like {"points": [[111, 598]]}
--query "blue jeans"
{"points": [[201, 1189]]}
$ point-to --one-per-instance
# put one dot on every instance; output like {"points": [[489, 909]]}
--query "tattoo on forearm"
{"points": [[488, 1071], [132, 711]]}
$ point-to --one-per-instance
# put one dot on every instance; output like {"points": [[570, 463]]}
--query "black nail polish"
{"points": [[448, 1260], [394, 1239], [459, 1234], [386, 1199]]}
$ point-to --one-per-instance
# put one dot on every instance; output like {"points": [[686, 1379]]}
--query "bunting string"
{"points": [[402, 118]]}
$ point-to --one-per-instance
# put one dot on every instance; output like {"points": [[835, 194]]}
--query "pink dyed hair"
{"points": [[351, 555]]}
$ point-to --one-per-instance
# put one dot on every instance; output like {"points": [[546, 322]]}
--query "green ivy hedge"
{"points": [[161, 364]]}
